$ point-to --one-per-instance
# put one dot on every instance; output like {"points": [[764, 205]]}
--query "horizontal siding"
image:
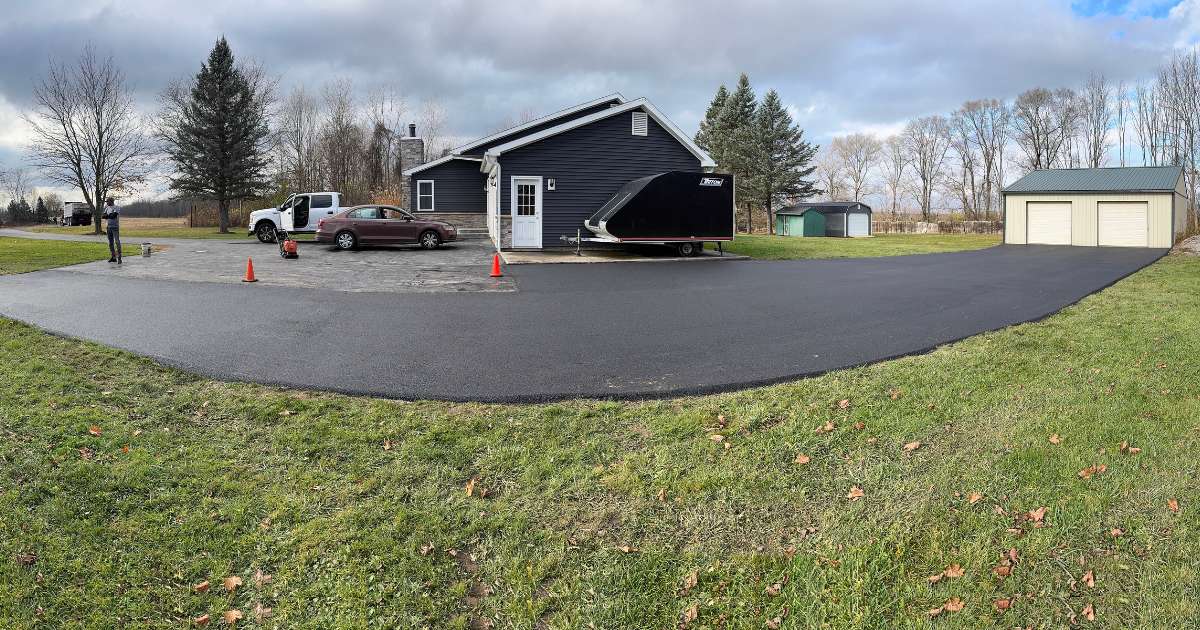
{"points": [[589, 165], [1084, 216], [458, 187], [479, 151]]}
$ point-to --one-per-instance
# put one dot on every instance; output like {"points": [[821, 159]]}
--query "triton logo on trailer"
{"points": [[711, 181]]}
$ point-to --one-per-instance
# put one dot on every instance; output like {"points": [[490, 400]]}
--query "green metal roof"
{"points": [[1117, 179]]}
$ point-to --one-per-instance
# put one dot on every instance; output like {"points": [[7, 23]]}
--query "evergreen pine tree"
{"points": [[215, 134], [709, 135], [41, 214], [736, 144], [781, 157]]}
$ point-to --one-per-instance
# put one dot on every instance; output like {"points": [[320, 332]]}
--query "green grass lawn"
{"points": [[792, 247], [20, 255], [625, 515]]}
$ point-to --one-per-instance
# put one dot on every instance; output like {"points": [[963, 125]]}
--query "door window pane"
{"points": [[526, 200], [322, 201]]}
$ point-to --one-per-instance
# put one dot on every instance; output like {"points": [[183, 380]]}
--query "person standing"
{"points": [[113, 215]]}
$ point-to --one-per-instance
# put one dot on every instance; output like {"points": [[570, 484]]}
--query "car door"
{"points": [[366, 224], [399, 226], [319, 207], [295, 218], [285, 214]]}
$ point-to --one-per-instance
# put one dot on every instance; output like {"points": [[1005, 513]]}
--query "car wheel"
{"points": [[686, 249], [345, 241], [430, 240], [265, 231]]}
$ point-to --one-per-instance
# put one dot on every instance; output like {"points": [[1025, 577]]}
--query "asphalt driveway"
{"points": [[613, 330]]}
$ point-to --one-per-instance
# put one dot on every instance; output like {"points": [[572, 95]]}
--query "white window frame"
{"points": [[432, 200]]}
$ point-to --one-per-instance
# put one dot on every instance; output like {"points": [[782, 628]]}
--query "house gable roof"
{"points": [[1112, 179], [439, 162], [822, 207], [706, 161]]}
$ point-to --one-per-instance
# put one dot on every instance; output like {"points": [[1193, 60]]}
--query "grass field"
{"points": [[792, 247], [21, 255], [134, 227], [958, 489]]}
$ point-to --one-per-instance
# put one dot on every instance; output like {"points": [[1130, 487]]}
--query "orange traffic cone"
{"points": [[496, 266], [249, 271]]}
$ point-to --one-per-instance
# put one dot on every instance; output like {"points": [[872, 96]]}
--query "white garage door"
{"points": [[860, 225], [1122, 224], [1049, 223]]}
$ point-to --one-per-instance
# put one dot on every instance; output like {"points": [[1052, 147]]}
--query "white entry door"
{"points": [[527, 211], [1049, 223], [1122, 224], [859, 224]]}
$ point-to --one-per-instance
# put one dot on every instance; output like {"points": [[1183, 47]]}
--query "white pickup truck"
{"points": [[300, 213]]}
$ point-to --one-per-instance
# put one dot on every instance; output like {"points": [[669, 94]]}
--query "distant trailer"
{"points": [[679, 208], [76, 213]]}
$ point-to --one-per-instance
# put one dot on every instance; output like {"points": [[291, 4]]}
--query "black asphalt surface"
{"points": [[623, 330]]}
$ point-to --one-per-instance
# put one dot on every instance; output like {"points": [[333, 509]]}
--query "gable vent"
{"points": [[640, 123]]}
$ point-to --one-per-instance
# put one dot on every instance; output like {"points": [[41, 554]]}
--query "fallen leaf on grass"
{"points": [[1094, 469], [953, 604], [1002, 605], [895, 394], [912, 446], [690, 581], [85, 453], [974, 498], [1002, 571], [426, 548], [844, 403], [627, 549], [1116, 532], [232, 616], [860, 425], [828, 427], [1037, 516], [717, 437], [387, 445], [689, 615], [262, 612], [285, 412], [1132, 450], [261, 578], [1173, 505], [777, 622], [95, 430], [855, 493], [1089, 579], [662, 495], [125, 449], [232, 583], [26, 559], [1055, 439], [954, 571], [773, 589], [1089, 613], [137, 433], [470, 487], [201, 587], [801, 458], [202, 620]]}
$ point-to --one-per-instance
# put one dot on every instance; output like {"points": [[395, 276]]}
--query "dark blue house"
{"points": [[538, 181]]}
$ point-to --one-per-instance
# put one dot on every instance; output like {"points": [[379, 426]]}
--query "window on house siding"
{"points": [[425, 195], [640, 123]]}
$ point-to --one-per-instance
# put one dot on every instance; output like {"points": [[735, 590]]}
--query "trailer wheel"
{"points": [[265, 231], [687, 249]]}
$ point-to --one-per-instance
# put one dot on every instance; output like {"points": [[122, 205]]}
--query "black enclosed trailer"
{"points": [[679, 208]]}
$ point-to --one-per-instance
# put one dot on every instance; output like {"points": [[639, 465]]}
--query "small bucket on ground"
{"points": [[145, 250]]}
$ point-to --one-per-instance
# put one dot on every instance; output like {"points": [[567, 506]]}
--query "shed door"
{"points": [[1122, 224], [1048, 223], [835, 224], [527, 211], [860, 224]]}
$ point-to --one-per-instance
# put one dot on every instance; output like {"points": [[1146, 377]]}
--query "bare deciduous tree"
{"points": [[927, 140], [432, 121], [15, 183], [1096, 114], [895, 165], [986, 125], [1122, 115], [857, 155], [86, 132], [1043, 122], [298, 140], [829, 174]]}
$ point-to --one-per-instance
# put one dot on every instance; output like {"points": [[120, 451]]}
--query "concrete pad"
{"points": [[644, 254]]}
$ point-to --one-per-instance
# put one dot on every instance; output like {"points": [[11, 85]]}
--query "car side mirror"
{"points": [[408, 218]]}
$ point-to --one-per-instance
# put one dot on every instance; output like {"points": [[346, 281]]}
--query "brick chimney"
{"points": [[412, 153]]}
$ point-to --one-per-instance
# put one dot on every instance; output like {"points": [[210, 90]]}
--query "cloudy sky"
{"points": [[841, 66]]}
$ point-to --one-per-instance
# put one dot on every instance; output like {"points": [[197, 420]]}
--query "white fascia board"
{"points": [[706, 161], [615, 96], [428, 165]]}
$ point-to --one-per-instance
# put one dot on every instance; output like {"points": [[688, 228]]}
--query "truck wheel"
{"points": [[345, 241], [430, 240], [265, 231], [687, 249]]}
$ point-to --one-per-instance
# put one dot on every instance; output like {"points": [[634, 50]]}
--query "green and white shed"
{"points": [[799, 221], [825, 218]]}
